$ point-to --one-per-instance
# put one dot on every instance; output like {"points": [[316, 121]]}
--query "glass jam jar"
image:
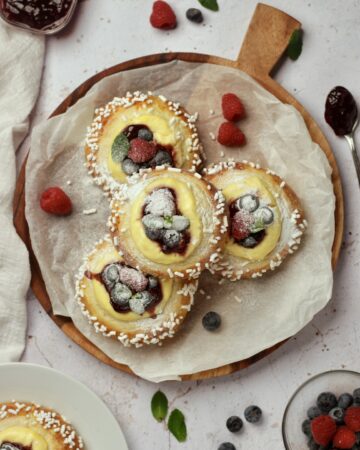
{"points": [[39, 16]]}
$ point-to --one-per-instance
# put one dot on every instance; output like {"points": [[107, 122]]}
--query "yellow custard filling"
{"points": [[253, 184], [23, 436], [186, 204], [158, 123], [97, 289]]}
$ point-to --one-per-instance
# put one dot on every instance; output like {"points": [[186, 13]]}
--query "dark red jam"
{"points": [[340, 111], [13, 446], [36, 14], [155, 292], [257, 237], [182, 246], [132, 131]]}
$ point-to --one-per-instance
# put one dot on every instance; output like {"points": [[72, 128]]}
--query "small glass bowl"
{"points": [[55, 27], [336, 381]]}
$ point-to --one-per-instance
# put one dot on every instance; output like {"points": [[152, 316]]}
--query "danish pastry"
{"points": [[26, 426], [123, 303], [169, 223], [140, 131], [266, 219]]}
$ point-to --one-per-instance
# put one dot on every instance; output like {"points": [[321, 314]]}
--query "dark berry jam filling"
{"points": [[132, 131], [162, 154], [161, 236], [253, 239], [12, 446], [36, 14], [340, 110], [142, 286]]}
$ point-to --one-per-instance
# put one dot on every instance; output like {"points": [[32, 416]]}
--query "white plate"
{"points": [[48, 387]]}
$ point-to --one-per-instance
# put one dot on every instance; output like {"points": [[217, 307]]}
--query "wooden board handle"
{"points": [[266, 40]]}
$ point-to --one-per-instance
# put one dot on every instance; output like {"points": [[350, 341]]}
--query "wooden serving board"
{"points": [[264, 45]]}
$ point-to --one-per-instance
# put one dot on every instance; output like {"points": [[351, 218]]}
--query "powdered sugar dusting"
{"points": [[160, 202]]}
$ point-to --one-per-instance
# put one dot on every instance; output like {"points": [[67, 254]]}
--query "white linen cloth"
{"points": [[21, 61]]}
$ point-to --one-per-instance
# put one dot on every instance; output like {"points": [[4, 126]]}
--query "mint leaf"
{"points": [[168, 221], [159, 406], [177, 426], [295, 45], [210, 4], [258, 225], [120, 148]]}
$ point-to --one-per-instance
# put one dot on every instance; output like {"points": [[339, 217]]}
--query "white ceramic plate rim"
{"points": [[82, 407]]}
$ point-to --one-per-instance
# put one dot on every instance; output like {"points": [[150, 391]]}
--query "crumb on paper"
{"points": [[202, 292], [238, 299], [69, 182], [222, 154], [88, 212], [208, 297], [212, 112], [212, 136]]}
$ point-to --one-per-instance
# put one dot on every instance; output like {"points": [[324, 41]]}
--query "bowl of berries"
{"points": [[324, 413]]}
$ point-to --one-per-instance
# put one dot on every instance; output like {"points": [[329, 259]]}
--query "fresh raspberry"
{"points": [[55, 201], [352, 418], [232, 107], [240, 225], [163, 16], [134, 279], [323, 429], [230, 136], [141, 151], [344, 438]]}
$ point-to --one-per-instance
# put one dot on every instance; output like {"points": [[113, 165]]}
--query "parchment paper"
{"points": [[256, 314]]}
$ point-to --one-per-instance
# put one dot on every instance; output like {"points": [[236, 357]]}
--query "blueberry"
{"points": [[8, 446], [145, 134], [153, 222], [306, 427], [337, 414], [265, 215], [145, 297], [345, 400], [356, 396], [313, 445], [153, 282], [248, 202], [171, 238], [234, 424], [211, 321], [253, 414], [110, 274], [249, 242], [326, 402], [121, 294], [194, 15], [226, 446], [180, 223], [139, 302], [161, 159], [129, 167], [153, 234], [313, 412]]}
